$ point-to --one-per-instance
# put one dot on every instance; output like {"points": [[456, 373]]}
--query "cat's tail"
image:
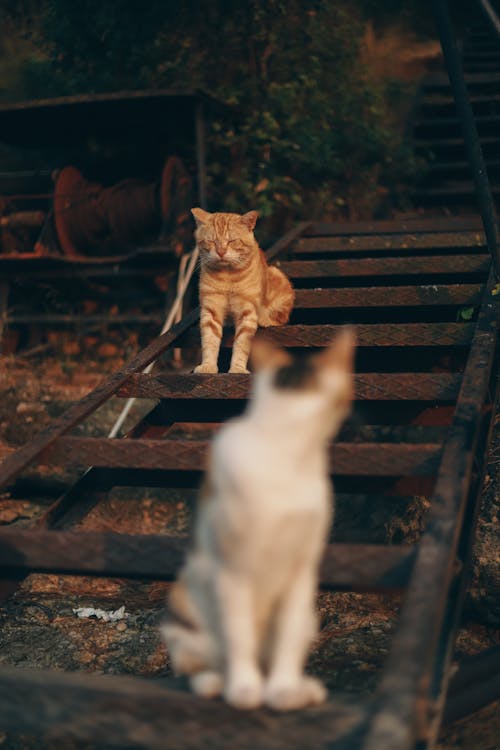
{"points": [[279, 299], [189, 646], [189, 650]]}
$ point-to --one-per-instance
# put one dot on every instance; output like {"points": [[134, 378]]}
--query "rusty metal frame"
{"points": [[419, 692], [407, 708], [409, 701]]}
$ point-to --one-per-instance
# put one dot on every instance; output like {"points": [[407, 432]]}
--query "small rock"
{"points": [[29, 407], [8, 515], [107, 350], [121, 626], [71, 348]]}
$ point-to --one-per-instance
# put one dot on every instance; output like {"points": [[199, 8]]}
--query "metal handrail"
{"points": [[469, 129], [491, 15]]}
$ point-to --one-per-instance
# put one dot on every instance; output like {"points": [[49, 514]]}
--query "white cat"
{"points": [[242, 614]]}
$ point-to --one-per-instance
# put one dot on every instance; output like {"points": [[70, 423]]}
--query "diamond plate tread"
{"points": [[351, 432], [160, 557], [389, 296], [368, 386], [383, 242], [432, 225], [352, 267], [359, 459], [383, 334]]}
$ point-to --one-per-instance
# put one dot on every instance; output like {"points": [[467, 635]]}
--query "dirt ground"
{"points": [[355, 628]]}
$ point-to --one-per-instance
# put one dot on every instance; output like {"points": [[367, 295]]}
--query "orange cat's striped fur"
{"points": [[236, 283]]}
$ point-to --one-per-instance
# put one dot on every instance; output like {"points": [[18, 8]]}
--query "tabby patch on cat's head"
{"points": [[202, 217], [304, 372], [225, 239]]}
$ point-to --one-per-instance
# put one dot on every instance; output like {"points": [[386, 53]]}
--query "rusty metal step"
{"points": [[449, 126], [352, 432], [447, 148], [185, 426], [481, 66], [451, 191], [459, 170], [384, 334], [420, 225], [159, 557], [445, 99], [428, 295], [379, 386], [402, 244], [386, 267], [363, 459]]}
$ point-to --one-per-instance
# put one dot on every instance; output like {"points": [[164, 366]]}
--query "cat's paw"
{"points": [[244, 694], [240, 369], [285, 697], [207, 684], [212, 369]]}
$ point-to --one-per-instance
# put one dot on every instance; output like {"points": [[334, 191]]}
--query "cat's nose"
{"points": [[221, 250]]}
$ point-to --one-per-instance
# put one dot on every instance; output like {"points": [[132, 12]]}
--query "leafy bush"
{"points": [[312, 132]]}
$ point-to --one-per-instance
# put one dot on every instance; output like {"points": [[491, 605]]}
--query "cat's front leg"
{"points": [[288, 688], [211, 320], [243, 678], [245, 327]]}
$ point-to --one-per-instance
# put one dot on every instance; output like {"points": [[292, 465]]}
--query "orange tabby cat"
{"points": [[236, 283]]}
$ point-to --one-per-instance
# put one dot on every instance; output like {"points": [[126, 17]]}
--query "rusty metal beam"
{"points": [[156, 714], [475, 684], [403, 244], [91, 320], [354, 267], [377, 459], [368, 386], [159, 557], [389, 296]]}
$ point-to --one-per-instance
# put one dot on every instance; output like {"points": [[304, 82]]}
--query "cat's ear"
{"points": [[249, 220], [200, 216], [265, 355], [342, 350]]}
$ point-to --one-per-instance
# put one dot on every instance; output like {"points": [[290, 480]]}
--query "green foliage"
{"points": [[465, 313], [312, 132]]}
